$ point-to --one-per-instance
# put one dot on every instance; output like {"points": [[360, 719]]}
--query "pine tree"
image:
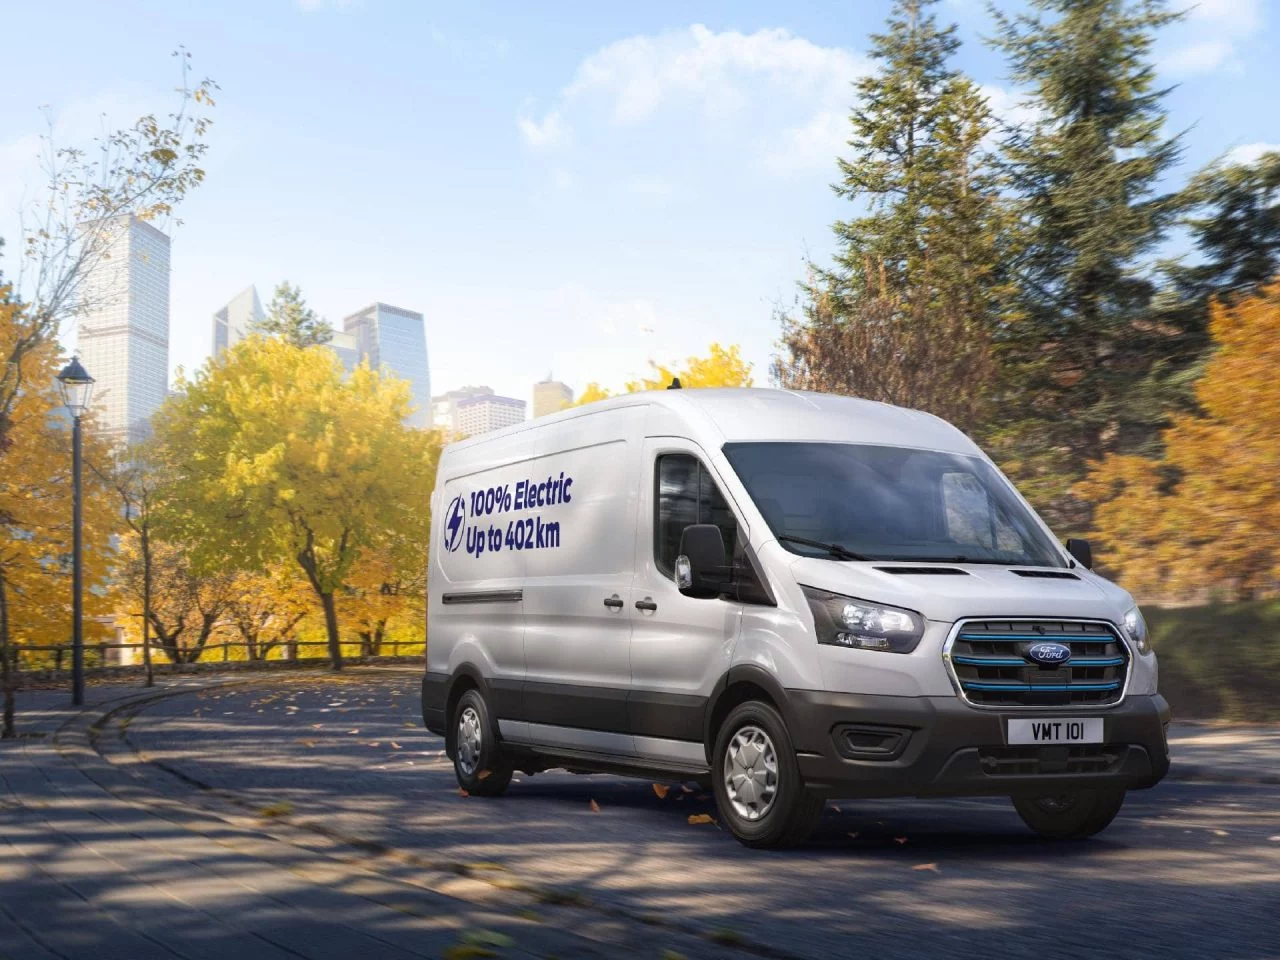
{"points": [[290, 319], [1087, 364], [905, 313]]}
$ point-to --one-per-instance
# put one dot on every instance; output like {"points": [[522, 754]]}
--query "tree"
{"points": [[721, 367], [36, 510], [136, 479], [265, 609], [144, 170], [185, 605], [1204, 516], [906, 313], [278, 457], [289, 318], [1087, 369]]}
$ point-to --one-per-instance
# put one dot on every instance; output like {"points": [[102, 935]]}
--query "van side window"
{"points": [[686, 494]]}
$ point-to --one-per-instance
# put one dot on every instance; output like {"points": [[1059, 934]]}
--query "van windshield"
{"points": [[889, 503]]}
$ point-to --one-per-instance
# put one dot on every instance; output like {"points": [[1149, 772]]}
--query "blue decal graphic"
{"points": [[456, 517], [533, 531]]}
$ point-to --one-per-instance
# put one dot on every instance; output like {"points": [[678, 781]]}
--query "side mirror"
{"points": [[1081, 552], [700, 569]]}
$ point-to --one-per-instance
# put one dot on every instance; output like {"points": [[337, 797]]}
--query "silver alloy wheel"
{"points": [[751, 772], [469, 741]]}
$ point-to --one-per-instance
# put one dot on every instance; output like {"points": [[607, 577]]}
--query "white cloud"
{"points": [[721, 74], [1204, 56], [1249, 153], [548, 132], [1236, 15], [1210, 33]]}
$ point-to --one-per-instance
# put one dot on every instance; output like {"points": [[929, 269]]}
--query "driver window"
{"points": [[686, 494]]}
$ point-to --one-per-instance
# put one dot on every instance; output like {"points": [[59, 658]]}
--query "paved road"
{"points": [[1190, 869]]}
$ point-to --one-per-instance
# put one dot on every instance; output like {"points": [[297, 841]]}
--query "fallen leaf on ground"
{"points": [[356, 730], [853, 836], [462, 792], [835, 808], [595, 807], [685, 789], [281, 809], [661, 790], [931, 867], [308, 743], [395, 745], [697, 818], [1220, 833], [482, 774], [374, 743], [899, 840]]}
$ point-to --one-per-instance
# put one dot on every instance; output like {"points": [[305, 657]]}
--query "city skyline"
{"points": [[598, 164]]}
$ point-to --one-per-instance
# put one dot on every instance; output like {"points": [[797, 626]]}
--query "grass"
{"points": [[1219, 662]]}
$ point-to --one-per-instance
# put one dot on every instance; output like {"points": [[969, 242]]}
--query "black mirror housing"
{"points": [[700, 569], [1081, 552]]}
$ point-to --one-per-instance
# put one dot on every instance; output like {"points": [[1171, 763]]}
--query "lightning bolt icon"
{"points": [[455, 520]]}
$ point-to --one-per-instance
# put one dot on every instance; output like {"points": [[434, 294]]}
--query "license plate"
{"points": [[1086, 730]]}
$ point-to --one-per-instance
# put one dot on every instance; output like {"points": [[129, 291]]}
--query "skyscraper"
{"points": [[233, 322], [550, 396], [394, 339], [122, 334], [482, 413]]}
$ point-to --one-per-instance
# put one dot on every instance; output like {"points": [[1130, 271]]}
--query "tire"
{"points": [[1073, 815], [765, 805], [478, 761]]}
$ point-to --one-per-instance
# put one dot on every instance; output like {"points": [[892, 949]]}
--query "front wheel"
{"points": [[757, 781], [478, 762], [1073, 815]]}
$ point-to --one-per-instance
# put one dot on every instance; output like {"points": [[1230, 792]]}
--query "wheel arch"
{"points": [[741, 683]]}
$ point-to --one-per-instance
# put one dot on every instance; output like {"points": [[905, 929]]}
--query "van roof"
{"points": [[746, 414]]}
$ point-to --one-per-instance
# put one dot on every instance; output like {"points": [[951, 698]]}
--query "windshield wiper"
{"points": [[834, 549]]}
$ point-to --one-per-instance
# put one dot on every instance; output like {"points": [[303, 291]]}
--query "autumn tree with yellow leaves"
{"points": [[721, 367], [277, 456], [1204, 517], [35, 509]]}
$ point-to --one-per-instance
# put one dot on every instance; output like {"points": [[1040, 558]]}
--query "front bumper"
{"points": [[940, 746]]}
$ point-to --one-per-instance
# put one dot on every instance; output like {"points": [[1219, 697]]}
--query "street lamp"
{"points": [[77, 388]]}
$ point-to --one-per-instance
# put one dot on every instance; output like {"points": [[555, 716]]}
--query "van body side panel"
{"points": [[476, 606], [577, 623], [680, 646]]}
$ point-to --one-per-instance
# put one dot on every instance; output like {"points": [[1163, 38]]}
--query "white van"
{"points": [[793, 596]]}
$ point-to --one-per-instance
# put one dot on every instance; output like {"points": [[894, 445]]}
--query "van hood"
{"points": [[978, 590]]}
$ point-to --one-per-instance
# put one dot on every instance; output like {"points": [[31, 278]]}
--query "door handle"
{"points": [[614, 602], [646, 604]]}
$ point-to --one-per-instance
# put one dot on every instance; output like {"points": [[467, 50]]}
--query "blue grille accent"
{"points": [[989, 663]]}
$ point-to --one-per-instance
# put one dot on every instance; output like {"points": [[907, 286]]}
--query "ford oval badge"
{"points": [[1048, 654]]}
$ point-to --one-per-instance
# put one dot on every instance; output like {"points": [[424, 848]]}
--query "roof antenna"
{"points": [[675, 384]]}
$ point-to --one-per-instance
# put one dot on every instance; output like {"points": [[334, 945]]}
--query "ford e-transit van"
{"points": [[792, 596]]}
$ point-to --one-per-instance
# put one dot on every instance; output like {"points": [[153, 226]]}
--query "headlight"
{"points": [[847, 622], [1136, 629]]}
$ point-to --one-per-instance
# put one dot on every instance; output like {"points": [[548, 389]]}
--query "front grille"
{"points": [[989, 662], [1033, 761]]}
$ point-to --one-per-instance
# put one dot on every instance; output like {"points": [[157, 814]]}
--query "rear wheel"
{"points": [[757, 782], [1072, 815], [478, 761]]}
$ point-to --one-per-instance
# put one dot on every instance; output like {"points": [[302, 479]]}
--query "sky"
{"points": [[568, 188]]}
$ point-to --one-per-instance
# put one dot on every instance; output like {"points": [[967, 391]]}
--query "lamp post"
{"points": [[77, 388]]}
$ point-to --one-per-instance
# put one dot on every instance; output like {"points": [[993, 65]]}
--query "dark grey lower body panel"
{"points": [[848, 745]]}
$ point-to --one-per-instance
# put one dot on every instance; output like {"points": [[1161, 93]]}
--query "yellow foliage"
{"points": [[35, 502], [1206, 515], [721, 367], [278, 457]]}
